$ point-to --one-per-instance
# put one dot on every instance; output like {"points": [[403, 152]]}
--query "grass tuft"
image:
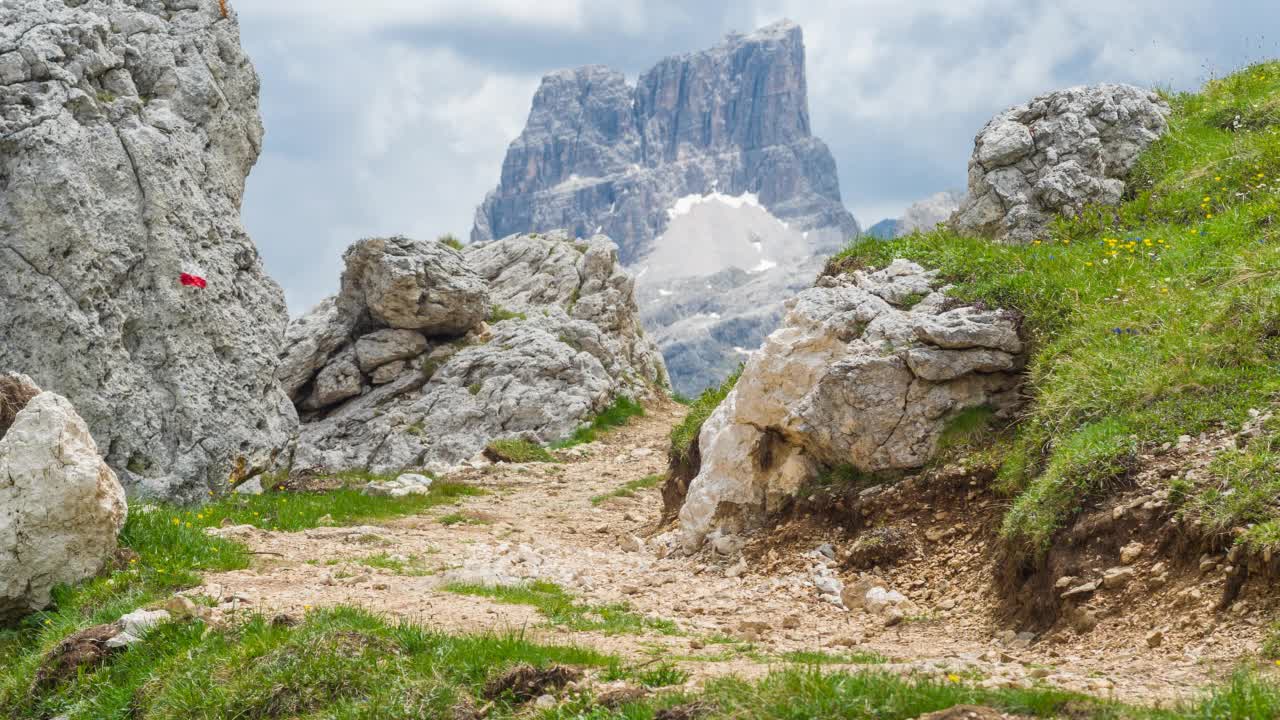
{"points": [[559, 608], [629, 488], [684, 435], [616, 415], [517, 451]]}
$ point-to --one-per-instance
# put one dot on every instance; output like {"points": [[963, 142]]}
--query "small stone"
{"points": [[1081, 590], [631, 543], [893, 616], [545, 702], [1117, 577], [1083, 621], [736, 569], [181, 607], [1065, 582], [1130, 553], [828, 550]]}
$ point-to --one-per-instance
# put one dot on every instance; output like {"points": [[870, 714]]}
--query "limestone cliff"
{"points": [[126, 132]]}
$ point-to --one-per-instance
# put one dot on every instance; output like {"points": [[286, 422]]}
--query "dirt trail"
{"points": [[538, 521]]}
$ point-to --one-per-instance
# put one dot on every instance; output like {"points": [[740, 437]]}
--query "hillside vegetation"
{"points": [[1150, 321]]}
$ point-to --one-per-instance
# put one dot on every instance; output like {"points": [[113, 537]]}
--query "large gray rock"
{"points": [[412, 285], [61, 507], [572, 346], [1055, 155], [732, 122], [126, 133], [863, 372]]}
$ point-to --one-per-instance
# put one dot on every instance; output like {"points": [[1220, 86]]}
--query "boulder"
{"points": [[61, 507], [128, 130], [384, 346], [571, 346], [412, 285], [1055, 155], [863, 372], [339, 380]]}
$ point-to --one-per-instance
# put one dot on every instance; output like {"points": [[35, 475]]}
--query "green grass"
{"points": [[559, 608], [615, 416], [519, 451], [818, 657], [339, 663], [1152, 320], [458, 518], [290, 511], [1241, 492], [450, 240], [629, 489], [684, 435], [410, 565], [498, 313]]}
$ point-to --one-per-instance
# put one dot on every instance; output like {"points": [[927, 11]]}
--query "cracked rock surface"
{"points": [[126, 134], [867, 371], [1055, 155], [61, 507], [565, 343]]}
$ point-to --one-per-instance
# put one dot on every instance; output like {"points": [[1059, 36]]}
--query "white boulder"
{"points": [[61, 507], [866, 371]]}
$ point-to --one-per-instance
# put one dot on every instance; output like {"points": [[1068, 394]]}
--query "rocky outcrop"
{"points": [[126, 134], [61, 507], [728, 123], [867, 371], [1056, 155], [597, 155], [564, 344]]}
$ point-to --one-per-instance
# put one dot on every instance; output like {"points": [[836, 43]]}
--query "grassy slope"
{"points": [[1158, 319]]}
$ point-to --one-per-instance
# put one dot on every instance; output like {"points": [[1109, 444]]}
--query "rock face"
{"points": [[126, 134], [598, 155], [564, 344], [867, 370], [61, 507], [1055, 155]]}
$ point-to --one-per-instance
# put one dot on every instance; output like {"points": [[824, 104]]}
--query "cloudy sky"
{"points": [[392, 116]]}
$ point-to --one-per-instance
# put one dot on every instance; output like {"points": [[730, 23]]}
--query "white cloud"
{"points": [[358, 16]]}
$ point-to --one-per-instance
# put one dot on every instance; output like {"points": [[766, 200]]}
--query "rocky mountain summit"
{"points": [[126, 134], [731, 124], [401, 368], [1055, 155]]}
